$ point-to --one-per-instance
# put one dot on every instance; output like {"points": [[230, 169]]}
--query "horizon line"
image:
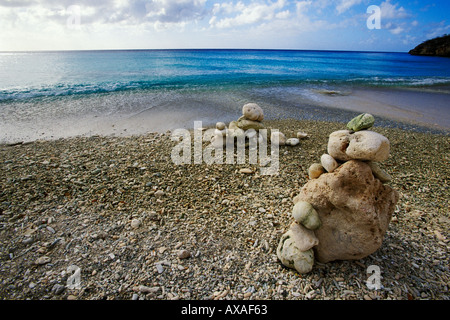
{"points": [[197, 49]]}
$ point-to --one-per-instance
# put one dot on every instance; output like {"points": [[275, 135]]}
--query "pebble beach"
{"points": [[137, 226]]}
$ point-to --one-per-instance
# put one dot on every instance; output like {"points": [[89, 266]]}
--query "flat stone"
{"points": [[246, 124], [42, 260], [58, 289], [379, 173], [146, 289], [292, 142], [361, 122], [301, 135]]}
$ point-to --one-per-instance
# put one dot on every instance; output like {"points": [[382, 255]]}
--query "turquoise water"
{"points": [[45, 74], [60, 94]]}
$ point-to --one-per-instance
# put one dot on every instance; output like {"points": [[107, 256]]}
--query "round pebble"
{"points": [[183, 254], [315, 170], [135, 223]]}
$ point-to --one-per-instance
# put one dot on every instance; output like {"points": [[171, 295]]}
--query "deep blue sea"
{"points": [[27, 75], [38, 88]]}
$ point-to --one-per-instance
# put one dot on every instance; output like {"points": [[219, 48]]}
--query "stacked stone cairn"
{"points": [[344, 210], [248, 125]]}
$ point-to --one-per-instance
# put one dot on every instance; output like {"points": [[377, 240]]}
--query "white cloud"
{"points": [[391, 11], [344, 5], [283, 14], [438, 29], [302, 7], [393, 18], [43, 24], [396, 30], [227, 8], [131, 12], [174, 11], [409, 40], [254, 12]]}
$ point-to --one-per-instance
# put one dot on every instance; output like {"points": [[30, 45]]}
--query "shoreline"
{"points": [[138, 113], [93, 202], [408, 104]]}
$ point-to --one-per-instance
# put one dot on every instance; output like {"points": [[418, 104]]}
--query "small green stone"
{"points": [[361, 122], [305, 214]]}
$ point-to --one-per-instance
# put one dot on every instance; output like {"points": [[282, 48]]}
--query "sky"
{"points": [[358, 25]]}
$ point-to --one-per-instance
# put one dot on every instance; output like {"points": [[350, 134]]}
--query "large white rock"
{"points": [[246, 124], [364, 145], [252, 111], [368, 145], [338, 143], [354, 208]]}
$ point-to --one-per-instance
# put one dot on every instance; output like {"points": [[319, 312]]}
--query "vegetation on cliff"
{"points": [[439, 46]]}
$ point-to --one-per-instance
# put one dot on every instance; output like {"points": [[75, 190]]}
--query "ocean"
{"points": [[45, 95]]}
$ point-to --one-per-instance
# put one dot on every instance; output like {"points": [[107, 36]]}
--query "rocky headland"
{"points": [[439, 46]]}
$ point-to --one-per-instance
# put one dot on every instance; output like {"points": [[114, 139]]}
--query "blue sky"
{"points": [[256, 24]]}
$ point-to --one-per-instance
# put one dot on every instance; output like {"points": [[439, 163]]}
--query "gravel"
{"points": [[137, 226]]}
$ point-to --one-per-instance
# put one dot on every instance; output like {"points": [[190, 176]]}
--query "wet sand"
{"points": [[422, 107], [137, 113]]}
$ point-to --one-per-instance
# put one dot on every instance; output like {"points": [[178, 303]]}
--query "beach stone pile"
{"points": [[248, 126], [252, 117], [344, 210]]}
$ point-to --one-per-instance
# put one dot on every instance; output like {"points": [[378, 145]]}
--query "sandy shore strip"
{"points": [[123, 114], [421, 106], [113, 218]]}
